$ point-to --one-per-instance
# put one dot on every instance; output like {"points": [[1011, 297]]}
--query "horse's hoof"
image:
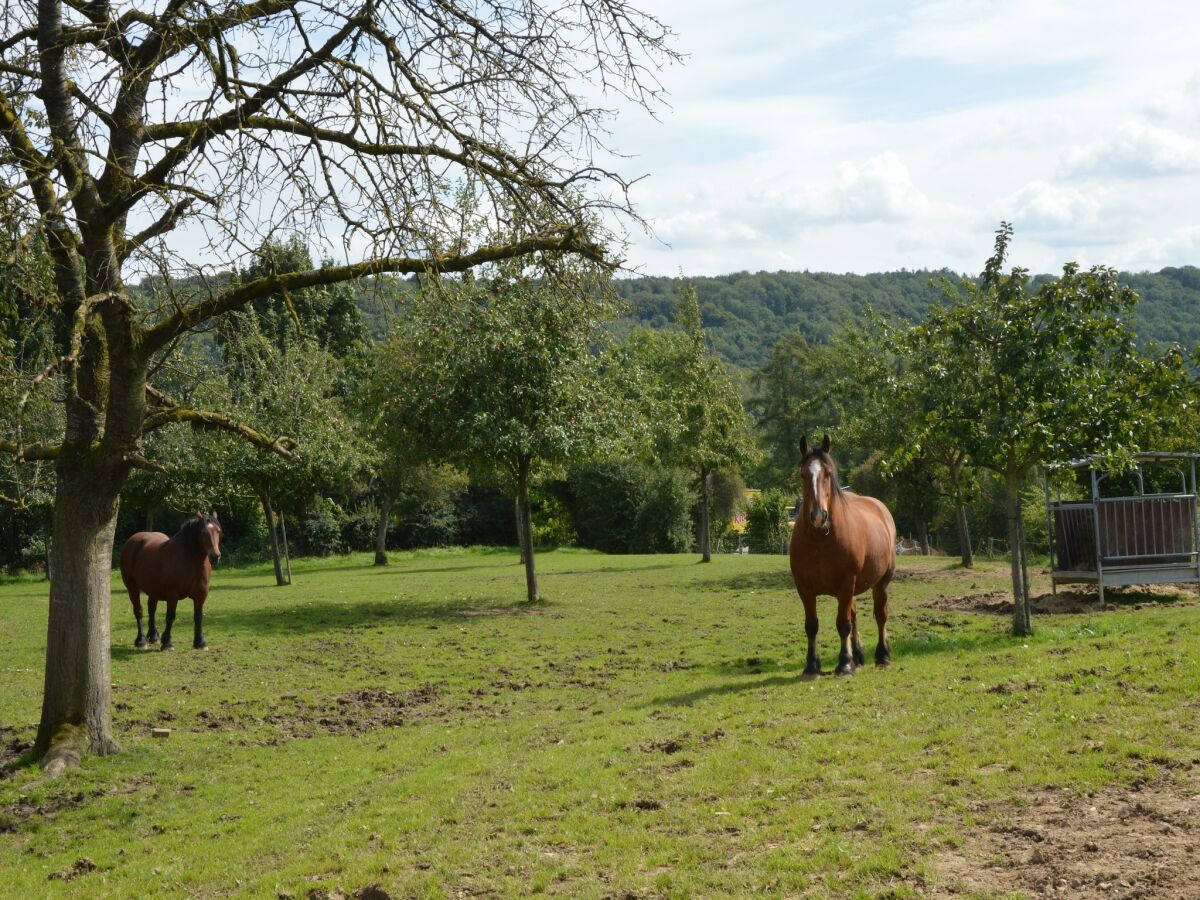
{"points": [[810, 676], [167, 647], [140, 642], [883, 663], [844, 669], [203, 646], [152, 639]]}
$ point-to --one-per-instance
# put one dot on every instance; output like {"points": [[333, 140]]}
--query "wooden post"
{"points": [[287, 556], [991, 548]]}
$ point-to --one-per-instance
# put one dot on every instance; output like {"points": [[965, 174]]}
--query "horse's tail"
{"points": [[129, 555]]}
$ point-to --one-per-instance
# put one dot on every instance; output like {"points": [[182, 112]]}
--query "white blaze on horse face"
{"points": [[814, 475]]}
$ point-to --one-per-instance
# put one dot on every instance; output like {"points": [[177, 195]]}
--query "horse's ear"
{"points": [[200, 516], [804, 446], [825, 443], [214, 514]]}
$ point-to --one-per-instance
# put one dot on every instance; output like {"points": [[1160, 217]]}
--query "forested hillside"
{"points": [[745, 314]]}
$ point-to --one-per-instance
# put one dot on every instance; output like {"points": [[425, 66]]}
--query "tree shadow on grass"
{"points": [[773, 580], [315, 616], [300, 577]]}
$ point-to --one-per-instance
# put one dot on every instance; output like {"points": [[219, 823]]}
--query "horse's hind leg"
{"points": [[135, 597], [166, 635], [883, 650], [856, 648], [812, 667], [198, 625], [152, 635]]}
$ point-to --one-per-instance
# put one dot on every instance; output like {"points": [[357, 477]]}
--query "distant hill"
{"points": [[746, 313]]}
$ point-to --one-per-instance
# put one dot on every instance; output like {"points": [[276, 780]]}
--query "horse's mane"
{"points": [[189, 533]]}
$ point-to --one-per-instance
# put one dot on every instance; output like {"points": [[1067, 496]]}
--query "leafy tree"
{"points": [[109, 161], [510, 378], [887, 409], [798, 392], [289, 390], [326, 313], [1018, 379], [700, 423]]}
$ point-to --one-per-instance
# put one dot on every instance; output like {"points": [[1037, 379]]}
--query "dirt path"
{"points": [[1119, 842]]}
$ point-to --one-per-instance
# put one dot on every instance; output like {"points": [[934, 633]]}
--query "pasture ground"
{"points": [[643, 732]]}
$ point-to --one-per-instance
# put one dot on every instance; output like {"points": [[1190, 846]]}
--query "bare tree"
{"points": [[130, 126]]}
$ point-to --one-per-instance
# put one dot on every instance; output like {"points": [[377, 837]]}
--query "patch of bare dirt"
{"points": [[1119, 842], [12, 748], [925, 573], [1071, 602], [81, 866], [356, 712]]}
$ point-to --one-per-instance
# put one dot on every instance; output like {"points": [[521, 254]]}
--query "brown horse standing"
{"points": [[170, 569], [842, 545]]}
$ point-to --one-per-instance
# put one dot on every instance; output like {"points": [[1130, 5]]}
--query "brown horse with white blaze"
{"points": [[842, 545], [170, 569]]}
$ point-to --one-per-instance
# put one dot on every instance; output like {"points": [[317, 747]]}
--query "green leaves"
{"points": [[515, 368], [698, 420]]}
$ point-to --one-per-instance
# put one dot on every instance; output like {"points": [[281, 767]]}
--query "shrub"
{"points": [[623, 506], [359, 528], [321, 530], [767, 523]]}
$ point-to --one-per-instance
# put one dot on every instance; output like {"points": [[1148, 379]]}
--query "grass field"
{"points": [[643, 732]]}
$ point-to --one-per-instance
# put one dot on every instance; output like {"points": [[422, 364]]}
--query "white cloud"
{"points": [[1135, 150], [1167, 250], [776, 206], [1041, 207]]}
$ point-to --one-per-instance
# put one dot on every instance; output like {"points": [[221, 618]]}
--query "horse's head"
{"points": [[818, 473], [210, 536]]}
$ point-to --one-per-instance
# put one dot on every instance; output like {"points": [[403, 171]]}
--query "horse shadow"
{"points": [[746, 676]]}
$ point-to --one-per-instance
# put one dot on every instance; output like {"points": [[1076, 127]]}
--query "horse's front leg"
{"points": [[198, 625], [845, 600], [812, 667], [152, 635], [166, 635], [856, 647]]}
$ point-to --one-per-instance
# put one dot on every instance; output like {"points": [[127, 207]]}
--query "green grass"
{"points": [[644, 730]]}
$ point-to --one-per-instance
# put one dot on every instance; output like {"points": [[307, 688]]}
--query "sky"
{"points": [[873, 136]]}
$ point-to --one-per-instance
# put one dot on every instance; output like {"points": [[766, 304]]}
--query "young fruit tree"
{"points": [[1018, 379], [701, 424], [133, 130], [513, 377]]}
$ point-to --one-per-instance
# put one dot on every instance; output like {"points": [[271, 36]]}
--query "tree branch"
{"points": [[201, 420], [568, 240], [30, 452]]}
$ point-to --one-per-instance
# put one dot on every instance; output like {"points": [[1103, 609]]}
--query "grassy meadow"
{"points": [[642, 732]]}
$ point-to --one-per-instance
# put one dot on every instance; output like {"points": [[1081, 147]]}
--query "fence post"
{"points": [[991, 548]]}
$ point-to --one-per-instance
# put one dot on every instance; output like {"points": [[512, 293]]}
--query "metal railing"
{"points": [[1159, 529]]}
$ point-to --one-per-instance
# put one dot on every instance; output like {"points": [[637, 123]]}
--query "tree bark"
{"points": [[269, 514], [705, 525], [964, 536], [287, 552], [520, 530], [531, 585], [1022, 624], [385, 517], [76, 717], [923, 536]]}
